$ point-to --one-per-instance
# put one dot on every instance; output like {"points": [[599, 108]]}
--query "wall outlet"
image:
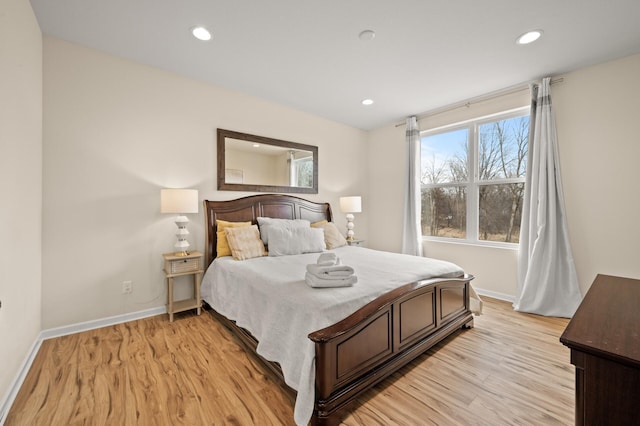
{"points": [[127, 287]]}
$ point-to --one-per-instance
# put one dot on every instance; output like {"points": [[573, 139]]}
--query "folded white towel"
{"points": [[329, 272], [328, 259], [315, 281]]}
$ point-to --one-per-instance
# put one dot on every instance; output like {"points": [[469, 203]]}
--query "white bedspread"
{"points": [[268, 297]]}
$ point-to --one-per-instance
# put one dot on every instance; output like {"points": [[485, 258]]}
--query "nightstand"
{"points": [[177, 266], [357, 243]]}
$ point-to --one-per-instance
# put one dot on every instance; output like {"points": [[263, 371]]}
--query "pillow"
{"points": [[332, 237], [267, 223], [222, 246], [245, 242], [284, 242]]}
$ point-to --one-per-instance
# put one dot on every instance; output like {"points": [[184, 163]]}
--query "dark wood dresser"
{"points": [[604, 338]]}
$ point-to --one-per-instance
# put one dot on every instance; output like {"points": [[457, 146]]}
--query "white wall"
{"points": [[597, 115], [115, 132], [20, 185], [267, 170], [596, 111]]}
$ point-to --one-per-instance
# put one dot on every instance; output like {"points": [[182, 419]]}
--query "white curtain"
{"points": [[547, 279], [411, 234]]}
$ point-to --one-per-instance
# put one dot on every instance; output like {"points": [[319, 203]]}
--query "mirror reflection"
{"points": [[262, 164], [256, 163]]}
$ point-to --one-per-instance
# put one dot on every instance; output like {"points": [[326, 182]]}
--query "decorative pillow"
{"points": [[332, 237], [222, 245], [284, 242], [267, 223], [245, 242]]}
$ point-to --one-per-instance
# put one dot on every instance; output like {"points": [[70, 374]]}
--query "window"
{"points": [[472, 177], [302, 172]]}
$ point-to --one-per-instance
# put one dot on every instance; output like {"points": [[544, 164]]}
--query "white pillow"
{"points": [[283, 242], [267, 223]]}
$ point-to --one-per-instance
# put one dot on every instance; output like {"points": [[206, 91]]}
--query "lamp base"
{"points": [[182, 245], [350, 227]]}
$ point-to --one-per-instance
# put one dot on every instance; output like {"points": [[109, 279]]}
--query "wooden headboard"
{"points": [[250, 208]]}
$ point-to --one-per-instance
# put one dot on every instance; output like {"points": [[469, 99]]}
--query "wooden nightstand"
{"points": [[177, 266], [357, 243]]}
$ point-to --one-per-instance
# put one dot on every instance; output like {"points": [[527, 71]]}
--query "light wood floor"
{"points": [[510, 369]]}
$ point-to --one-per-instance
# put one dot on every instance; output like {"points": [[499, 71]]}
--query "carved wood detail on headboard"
{"points": [[248, 209]]}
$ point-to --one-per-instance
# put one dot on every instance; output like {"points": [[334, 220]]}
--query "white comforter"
{"points": [[268, 297]]}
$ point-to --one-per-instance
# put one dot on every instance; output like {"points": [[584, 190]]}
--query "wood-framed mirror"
{"points": [[259, 164]]}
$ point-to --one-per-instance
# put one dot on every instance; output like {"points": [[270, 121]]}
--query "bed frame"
{"points": [[373, 342]]}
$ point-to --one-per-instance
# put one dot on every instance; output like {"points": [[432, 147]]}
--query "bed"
{"points": [[348, 353]]}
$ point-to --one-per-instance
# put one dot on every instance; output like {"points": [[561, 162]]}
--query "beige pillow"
{"points": [[332, 237], [245, 242], [222, 245]]}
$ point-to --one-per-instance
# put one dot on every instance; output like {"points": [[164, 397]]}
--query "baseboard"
{"points": [[7, 401], [494, 294], [99, 323]]}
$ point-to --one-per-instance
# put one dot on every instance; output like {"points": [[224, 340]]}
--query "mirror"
{"points": [[260, 164]]}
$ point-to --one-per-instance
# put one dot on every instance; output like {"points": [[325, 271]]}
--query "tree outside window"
{"points": [[472, 178], [304, 172]]}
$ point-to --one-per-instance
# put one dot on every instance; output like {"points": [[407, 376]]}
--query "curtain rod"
{"points": [[467, 103]]}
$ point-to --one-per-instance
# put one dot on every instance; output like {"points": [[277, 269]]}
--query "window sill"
{"points": [[488, 244]]}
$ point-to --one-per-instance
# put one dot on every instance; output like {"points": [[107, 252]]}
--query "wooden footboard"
{"points": [[377, 340], [364, 348]]}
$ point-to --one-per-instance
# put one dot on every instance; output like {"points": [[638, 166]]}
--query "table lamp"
{"points": [[350, 205], [181, 202]]}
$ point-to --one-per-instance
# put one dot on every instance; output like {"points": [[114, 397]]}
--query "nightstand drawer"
{"points": [[184, 265]]}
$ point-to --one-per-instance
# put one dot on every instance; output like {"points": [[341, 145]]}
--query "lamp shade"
{"points": [[351, 204], [178, 201]]}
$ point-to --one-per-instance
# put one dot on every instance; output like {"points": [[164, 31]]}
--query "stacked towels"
{"points": [[329, 272]]}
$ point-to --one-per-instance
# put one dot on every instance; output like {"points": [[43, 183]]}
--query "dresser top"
{"points": [[607, 323]]}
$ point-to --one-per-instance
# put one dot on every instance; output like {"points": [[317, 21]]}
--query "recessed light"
{"points": [[367, 102], [529, 37], [201, 33], [256, 145], [367, 35]]}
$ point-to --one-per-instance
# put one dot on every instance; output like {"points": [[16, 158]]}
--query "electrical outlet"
{"points": [[127, 287]]}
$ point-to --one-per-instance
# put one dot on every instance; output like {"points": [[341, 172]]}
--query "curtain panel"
{"points": [[547, 278], [411, 232]]}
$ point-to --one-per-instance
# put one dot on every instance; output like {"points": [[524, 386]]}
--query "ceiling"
{"points": [[307, 54]]}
